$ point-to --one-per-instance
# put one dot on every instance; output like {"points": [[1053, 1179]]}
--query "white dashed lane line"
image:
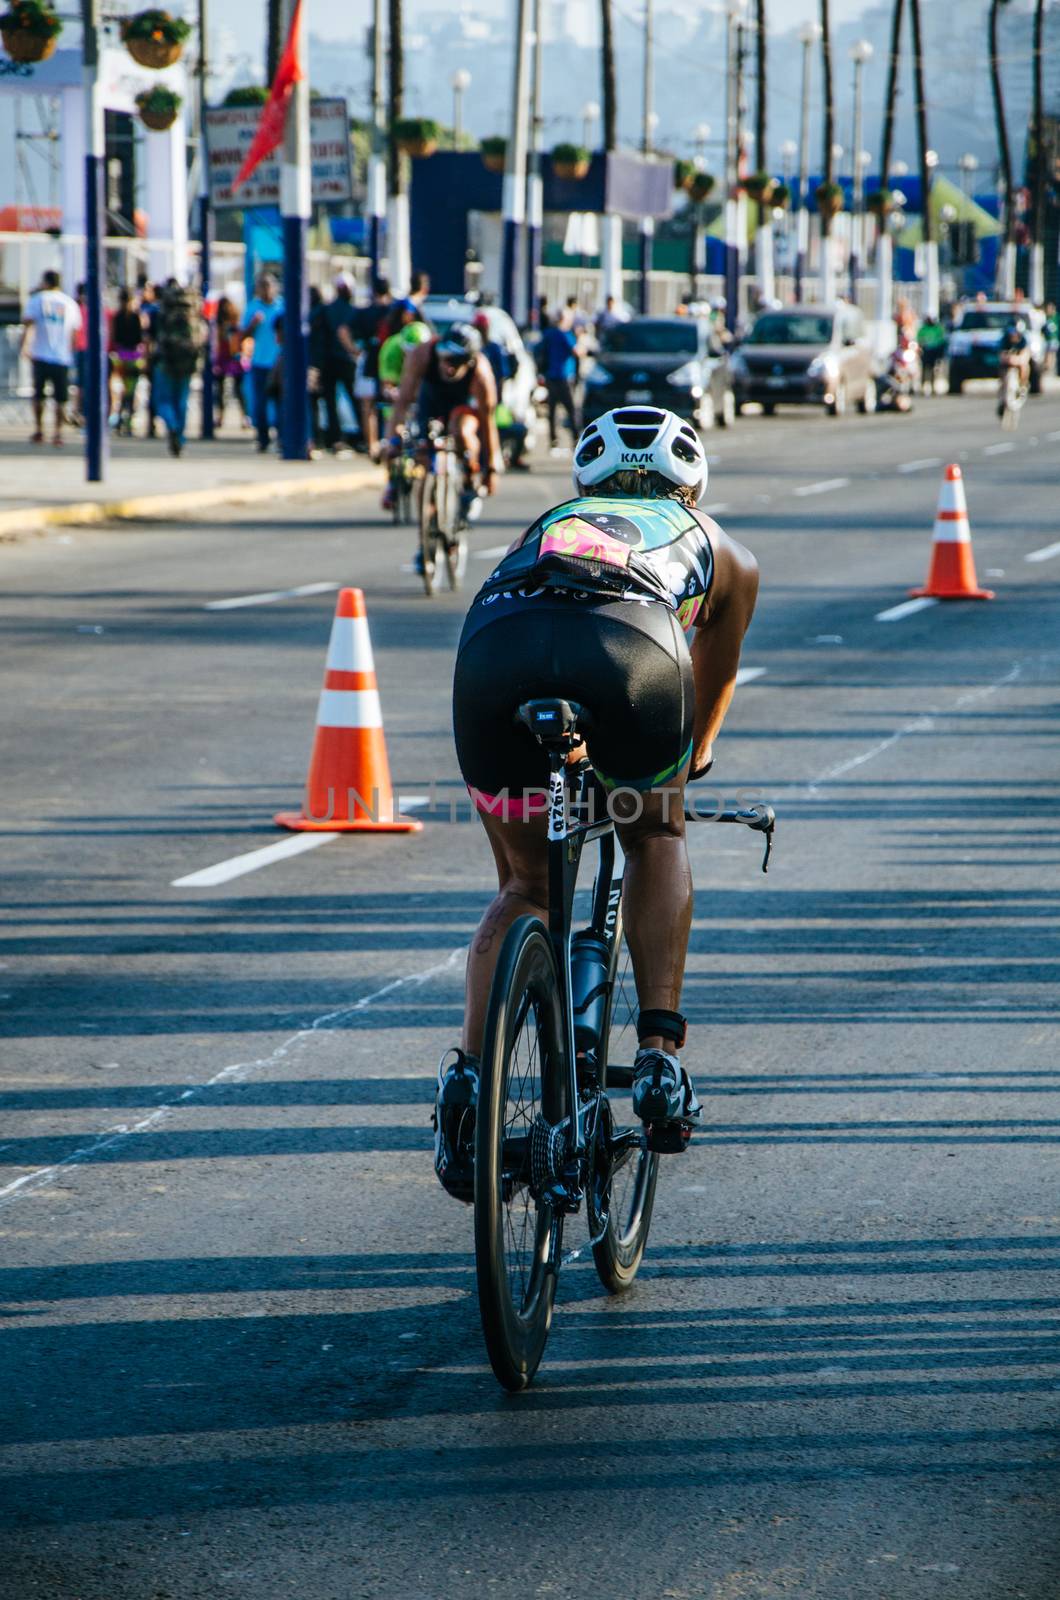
{"points": [[1000, 449], [907, 608], [749, 674], [919, 466], [239, 866], [1046, 553], [270, 596], [824, 487]]}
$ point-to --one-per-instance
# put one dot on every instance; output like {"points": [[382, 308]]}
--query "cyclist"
{"points": [[1014, 352], [450, 381], [404, 331], [594, 602]]}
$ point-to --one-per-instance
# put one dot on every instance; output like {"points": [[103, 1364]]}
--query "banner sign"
{"points": [[230, 132]]}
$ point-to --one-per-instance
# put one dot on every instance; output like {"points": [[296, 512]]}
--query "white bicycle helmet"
{"points": [[640, 439]]}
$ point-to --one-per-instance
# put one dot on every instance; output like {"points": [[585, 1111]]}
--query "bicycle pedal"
{"points": [[667, 1138]]}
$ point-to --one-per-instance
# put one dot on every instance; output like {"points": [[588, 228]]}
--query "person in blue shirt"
{"points": [[263, 313], [557, 362]]}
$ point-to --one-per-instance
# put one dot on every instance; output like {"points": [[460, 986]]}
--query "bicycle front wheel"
{"points": [[523, 1074], [429, 531], [636, 1170]]}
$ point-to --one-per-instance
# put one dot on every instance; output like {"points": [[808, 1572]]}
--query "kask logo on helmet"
{"points": [[637, 458]]}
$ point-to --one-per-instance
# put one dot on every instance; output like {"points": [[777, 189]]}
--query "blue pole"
{"points": [[294, 430], [647, 230], [205, 268], [95, 375], [509, 257]]}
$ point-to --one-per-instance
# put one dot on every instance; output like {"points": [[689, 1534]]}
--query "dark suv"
{"points": [[809, 356], [673, 362]]}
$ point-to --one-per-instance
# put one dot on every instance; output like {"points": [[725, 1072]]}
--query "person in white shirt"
{"points": [[52, 320]]}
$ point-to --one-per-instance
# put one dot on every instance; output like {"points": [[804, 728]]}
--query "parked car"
{"points": [[674, 362], [441, 311], [806, 355], [975, 340]]}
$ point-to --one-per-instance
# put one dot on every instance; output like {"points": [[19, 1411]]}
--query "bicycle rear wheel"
{"points": [[523, 1074], [636, 1171]]}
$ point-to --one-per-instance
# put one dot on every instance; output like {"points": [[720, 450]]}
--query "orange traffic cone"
{"points": [[952, 574], [348, 786]]}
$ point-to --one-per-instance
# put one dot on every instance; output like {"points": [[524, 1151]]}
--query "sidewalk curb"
{"points": [[27, 521]]}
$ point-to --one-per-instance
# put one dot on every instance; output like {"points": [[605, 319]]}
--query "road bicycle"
{"points": [[560, 1036], [1011, 396], [442, 518], [403, 471]]}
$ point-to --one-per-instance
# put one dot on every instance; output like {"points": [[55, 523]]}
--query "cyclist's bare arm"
{"points": [[484, 397], [719, 633], [412, 375]]}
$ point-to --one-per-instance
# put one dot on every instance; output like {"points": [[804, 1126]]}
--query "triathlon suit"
{"points": [[439, 397], [593, 604]]}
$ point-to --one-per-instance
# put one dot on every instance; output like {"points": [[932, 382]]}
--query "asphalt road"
{"points": [[240, 1346]]}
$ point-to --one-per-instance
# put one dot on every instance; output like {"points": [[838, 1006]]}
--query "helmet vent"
{"points": [[638, 438], [685, 451]]}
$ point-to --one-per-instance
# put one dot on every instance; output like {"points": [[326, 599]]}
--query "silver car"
{"points": [[809, 356]]}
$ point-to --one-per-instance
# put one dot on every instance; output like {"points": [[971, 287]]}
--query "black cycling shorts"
{"points": [[626, 662]]}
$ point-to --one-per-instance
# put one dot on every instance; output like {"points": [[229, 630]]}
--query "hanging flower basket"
{"points": [[30, 31], [154, 38], [781, 197], [829, 197], [879, 202], [701, 186], [158, 108], [684, 172], [417, 136], [494, 153], [760, 186], [571, 161]]}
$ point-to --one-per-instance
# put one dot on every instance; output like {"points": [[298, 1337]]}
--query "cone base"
{"points": [[952, 594], [301, 824]]}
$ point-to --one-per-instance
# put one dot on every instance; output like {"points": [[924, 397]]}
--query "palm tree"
{"points": [[761, 150], [828, 162], [1003, 150], [608, 94], [921, 122], [395, 93], [891, 100], [273, 44], [1038, 170]]}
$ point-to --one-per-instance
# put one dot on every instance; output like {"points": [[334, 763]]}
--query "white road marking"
{"points": [[296, 845], [1052, 437], [919, 466], [1000, 449], [825, 486], [1047, 552], [491, 554], [270, 596], [238, 866], [922, 724], [749, 674], [906, 609], [717, 508], [236, 1073]]}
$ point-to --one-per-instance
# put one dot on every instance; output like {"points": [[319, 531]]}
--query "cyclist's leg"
{"points": [[520, 850], [463, 425], [656, 895]]}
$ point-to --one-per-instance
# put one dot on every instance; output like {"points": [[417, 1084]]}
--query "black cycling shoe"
{"points": [[664, 1100], [453, 1120]]}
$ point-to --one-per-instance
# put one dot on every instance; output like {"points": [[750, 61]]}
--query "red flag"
{"points": [[274, 113]]}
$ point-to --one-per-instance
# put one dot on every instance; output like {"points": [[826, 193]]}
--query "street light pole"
{"points": [[461, 83], [295, 210], [808, 37], [377, 158], [859, 53], [647, 224], [733, 12], [205, 226], [514, 195], [535, 199], [95, 153]]}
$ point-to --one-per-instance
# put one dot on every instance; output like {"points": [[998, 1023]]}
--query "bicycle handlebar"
{"points": [[760, 819]]}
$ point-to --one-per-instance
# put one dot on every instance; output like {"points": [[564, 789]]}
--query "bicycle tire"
{"points": [[517, 1241], [618, 1255], [428, 533]]}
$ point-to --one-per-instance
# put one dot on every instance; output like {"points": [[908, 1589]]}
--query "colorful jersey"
{"points": [[616, 547], [393, 350]]}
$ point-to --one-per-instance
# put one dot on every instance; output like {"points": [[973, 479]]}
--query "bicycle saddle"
{"points": [[553, 723]]}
